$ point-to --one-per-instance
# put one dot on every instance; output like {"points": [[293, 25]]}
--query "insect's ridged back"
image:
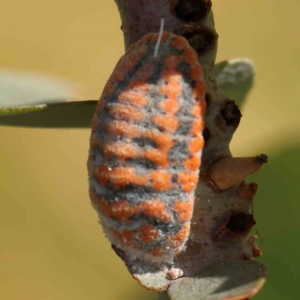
{"points": [[145, 148]]}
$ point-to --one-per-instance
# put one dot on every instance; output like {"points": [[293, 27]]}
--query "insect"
{"points": [[145, 148]]}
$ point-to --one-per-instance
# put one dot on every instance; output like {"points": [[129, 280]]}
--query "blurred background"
{"points": [[51, 244]]}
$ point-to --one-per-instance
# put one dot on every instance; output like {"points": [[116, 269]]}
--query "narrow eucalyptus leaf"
{"points": [[59, 115]]}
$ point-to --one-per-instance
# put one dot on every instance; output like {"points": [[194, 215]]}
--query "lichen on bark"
{"points": [[218, 262]]}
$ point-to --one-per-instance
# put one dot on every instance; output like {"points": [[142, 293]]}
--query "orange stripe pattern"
{"points": [[145, 148]]}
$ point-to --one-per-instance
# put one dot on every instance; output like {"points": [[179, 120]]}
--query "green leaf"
{"points": [[220, 66], [59, 115], [236, 78]]}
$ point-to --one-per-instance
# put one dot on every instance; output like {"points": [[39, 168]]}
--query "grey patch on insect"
{"points": [[184, 128], [135, 194], [135, 222], [186, 93], [147, 247], [113, 161], [176, 167], [96, 155], [167, 228], [101, 131], [144, 142], [141, 163], [179, 151], [154, 95], [157, 243], [110, 225], [184, 111]]}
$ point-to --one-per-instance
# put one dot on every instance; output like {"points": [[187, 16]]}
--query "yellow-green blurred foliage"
{"points": [[51, 245]]}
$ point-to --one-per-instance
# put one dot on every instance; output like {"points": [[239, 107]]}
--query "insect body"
{"points": [[145, 148]]}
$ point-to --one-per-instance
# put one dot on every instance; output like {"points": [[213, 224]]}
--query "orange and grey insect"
{"points": [[145, 148]]}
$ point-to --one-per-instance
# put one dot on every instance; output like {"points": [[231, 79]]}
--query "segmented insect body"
{"points": [[145, 148]]}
